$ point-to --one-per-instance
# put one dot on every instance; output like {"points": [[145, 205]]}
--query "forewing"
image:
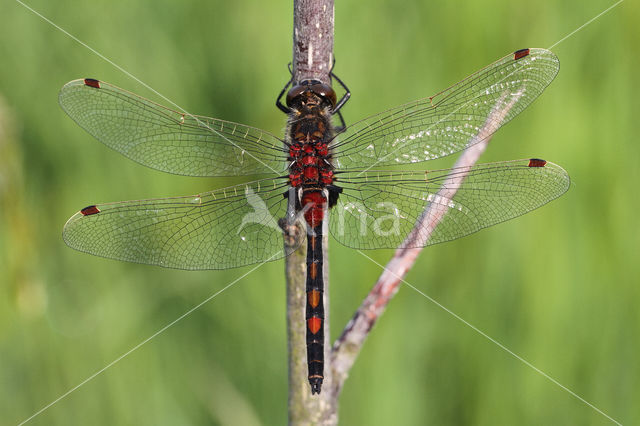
{"points": [[168, 140], [221, 229], [379, 209], [450, 121]]}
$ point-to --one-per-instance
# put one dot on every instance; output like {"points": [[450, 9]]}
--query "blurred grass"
{"points": [[558, 287]]}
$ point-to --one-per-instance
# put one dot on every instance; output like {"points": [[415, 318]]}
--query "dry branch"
{"points": [[312, 59]]}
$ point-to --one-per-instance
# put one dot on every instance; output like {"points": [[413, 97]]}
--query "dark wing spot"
{"points": [[536, 162], [92, 82], [87, 211], [518, 54]]}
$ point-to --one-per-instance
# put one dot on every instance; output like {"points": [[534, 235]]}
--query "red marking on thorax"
{"points": [[295, 180], [309, 166], [309, 151], [311, 173], [326, 177], [294, 150], [309, 160]]}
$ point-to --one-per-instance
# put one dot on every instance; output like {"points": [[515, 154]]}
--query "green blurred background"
{"points": [[559, 286]]}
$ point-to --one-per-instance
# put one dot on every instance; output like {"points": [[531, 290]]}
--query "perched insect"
{"points": [[312, 169]]}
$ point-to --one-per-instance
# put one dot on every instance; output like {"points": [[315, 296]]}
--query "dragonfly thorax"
{"points": [[309, 133]]}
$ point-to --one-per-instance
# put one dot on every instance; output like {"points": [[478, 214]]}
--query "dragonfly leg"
{"points": [[342, 126], [344, 98], [341, 102], [279, 103]]}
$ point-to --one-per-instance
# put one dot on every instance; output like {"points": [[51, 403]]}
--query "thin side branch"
{"points": [[348, 345]]}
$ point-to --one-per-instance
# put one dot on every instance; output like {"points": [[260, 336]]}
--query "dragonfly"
{"points": [[327, 179]]}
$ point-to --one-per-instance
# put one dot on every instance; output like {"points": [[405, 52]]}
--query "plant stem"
{"points": [[312, 59]]}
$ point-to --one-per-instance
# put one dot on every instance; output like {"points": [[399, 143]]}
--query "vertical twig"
{"points": [[312, 39], [312, 59]]}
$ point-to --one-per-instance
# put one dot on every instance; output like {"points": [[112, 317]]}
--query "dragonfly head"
{"points": [[310, 93]]}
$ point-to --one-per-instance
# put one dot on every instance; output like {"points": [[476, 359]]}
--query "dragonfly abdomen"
{"points": [[314, 203], [311, 172]]}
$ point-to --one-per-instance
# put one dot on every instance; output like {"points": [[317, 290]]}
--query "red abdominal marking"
{"points": [[92, 83], [87, 211], [536, 162], [314, 213], [314, 324], [314, 298], [313, 273]]}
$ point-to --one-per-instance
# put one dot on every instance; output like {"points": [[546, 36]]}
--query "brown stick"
{"points": [[312, 59], [312, 39]]}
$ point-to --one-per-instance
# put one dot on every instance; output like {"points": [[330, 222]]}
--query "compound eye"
{"points": [[325, 91], [311, 86], [294, 92]]}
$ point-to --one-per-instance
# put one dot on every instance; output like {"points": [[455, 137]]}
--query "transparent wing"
{"points": [[434, 127], [225, 228], [379, 209], [168, 140]]}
